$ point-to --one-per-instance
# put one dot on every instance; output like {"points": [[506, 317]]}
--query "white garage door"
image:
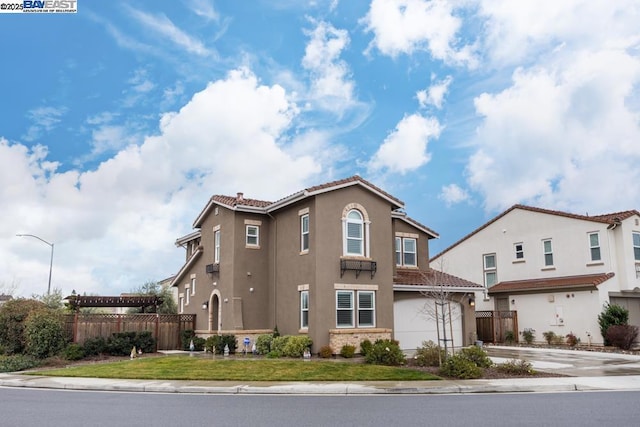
{"points": [[414, 321]]}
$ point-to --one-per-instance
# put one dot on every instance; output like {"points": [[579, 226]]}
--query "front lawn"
{"points": [[209, 369]]}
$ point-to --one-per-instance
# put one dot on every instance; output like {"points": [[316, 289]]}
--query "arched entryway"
{"points": [[215, 312]]}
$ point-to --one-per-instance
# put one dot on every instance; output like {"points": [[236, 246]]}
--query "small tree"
{"points": [[45, 333], [52, 300], [612, 314], [152, 288], [12, 323]]}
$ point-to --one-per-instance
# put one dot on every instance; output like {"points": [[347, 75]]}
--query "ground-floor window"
{"points": [[304, 309], [347, 312]]}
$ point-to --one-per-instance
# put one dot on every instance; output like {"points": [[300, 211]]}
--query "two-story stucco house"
{"points": [[556, 269], [324, 261]]}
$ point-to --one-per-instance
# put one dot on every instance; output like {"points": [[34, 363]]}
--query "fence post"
{"points": [[157, 330]]}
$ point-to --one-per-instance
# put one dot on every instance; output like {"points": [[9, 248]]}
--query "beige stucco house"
{"points": [[329, 261], [556, 269]]}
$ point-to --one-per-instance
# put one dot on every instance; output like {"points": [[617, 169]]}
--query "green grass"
{"points": [[200, 368]]}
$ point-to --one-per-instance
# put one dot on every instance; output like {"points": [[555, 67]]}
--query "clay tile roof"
{"points": [[232, 201], [431, 277], [611, 218], [552, 283]]}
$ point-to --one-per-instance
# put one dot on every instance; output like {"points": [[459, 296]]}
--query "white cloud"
{"points": [[332, 87], [405, 149], [114, 226], [163, 26], [452, 194], [409, 26], [204, 9], [44, 119], [434, 94]]}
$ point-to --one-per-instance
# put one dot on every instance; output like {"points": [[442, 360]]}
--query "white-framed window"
{"points": [[636, 246], [344, 309], [366, 309], [547, 250], [186, 297], [193, 286], [354, 235], [304, 309], [490, 270], [304, 233], [181, 304], [350, 316], [216, 246], [519, 250], [594, 246], [253, 235], [406, 251]]}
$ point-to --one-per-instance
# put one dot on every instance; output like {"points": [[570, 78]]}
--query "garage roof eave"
{"points": [[423, 288]]}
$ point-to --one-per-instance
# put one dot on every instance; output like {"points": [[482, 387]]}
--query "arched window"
{"points": [[354, 233]]}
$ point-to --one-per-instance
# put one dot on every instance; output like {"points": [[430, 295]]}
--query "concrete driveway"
{"points": [[569, 362]]}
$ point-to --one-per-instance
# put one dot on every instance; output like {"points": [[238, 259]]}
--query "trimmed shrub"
{"points": [[217, 343], [509, 337], [476, 355], [385, 352], [365, 347], [429, 354], [296, 345], [622, 336], [198, 343], [572, 339], [73, 352], [529, 335], [457, 366], [44, 333], [277, 345], [516, 367], [95, 346], [549, 337], [348, 351], [211, 344], [12, 317], [263, 343], [612, 314], [121, 343], [325, 352], [17, 362], [185, 338]]}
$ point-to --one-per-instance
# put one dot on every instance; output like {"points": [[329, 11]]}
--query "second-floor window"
{"points": [[636, 246], [216, 246], [594, 246], [519, 250], [193, 286], [547, 250], [490, 270], [304, 233], [406, 251], [354, 233], [253, 235]]}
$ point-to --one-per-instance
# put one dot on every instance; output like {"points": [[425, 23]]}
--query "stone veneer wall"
{"points": [[341, 337]]}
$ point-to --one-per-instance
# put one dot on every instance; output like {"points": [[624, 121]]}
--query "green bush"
{"points": [[572, 339], [296, 345], [365, 347], [529, 335], [458, 366], [17, 362], [278, 343], [211, 344], [263, 343], [348, 351], [549, 337], [218, 343], [121, 343], [476, 355], [12, 317], [45, 333], [612, 314], [95, 346], [185, 338], [429, 354], [516, 367], [73, 352], [509, 337], [385, 352], [622, 336], [325, 352]]}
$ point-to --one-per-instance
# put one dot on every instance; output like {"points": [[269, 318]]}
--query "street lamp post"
{"points": [[50, 262]]}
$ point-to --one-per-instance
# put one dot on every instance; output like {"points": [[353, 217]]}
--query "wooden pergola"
{"points": [[79, 301]]}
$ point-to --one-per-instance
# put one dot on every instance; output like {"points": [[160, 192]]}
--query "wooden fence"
{"points": [[492, 326], [165, 328]]}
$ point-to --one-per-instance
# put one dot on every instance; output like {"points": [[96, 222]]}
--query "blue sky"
{"points": [[117, 123]]}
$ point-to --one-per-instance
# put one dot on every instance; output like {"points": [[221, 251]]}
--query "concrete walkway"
{"points": [[564, 360]]}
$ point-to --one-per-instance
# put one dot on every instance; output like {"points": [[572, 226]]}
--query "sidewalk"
{"points": [[546, 384]]}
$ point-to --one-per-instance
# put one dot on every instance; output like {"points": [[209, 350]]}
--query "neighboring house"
{"points": [[556, 269], [328, 261]]}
